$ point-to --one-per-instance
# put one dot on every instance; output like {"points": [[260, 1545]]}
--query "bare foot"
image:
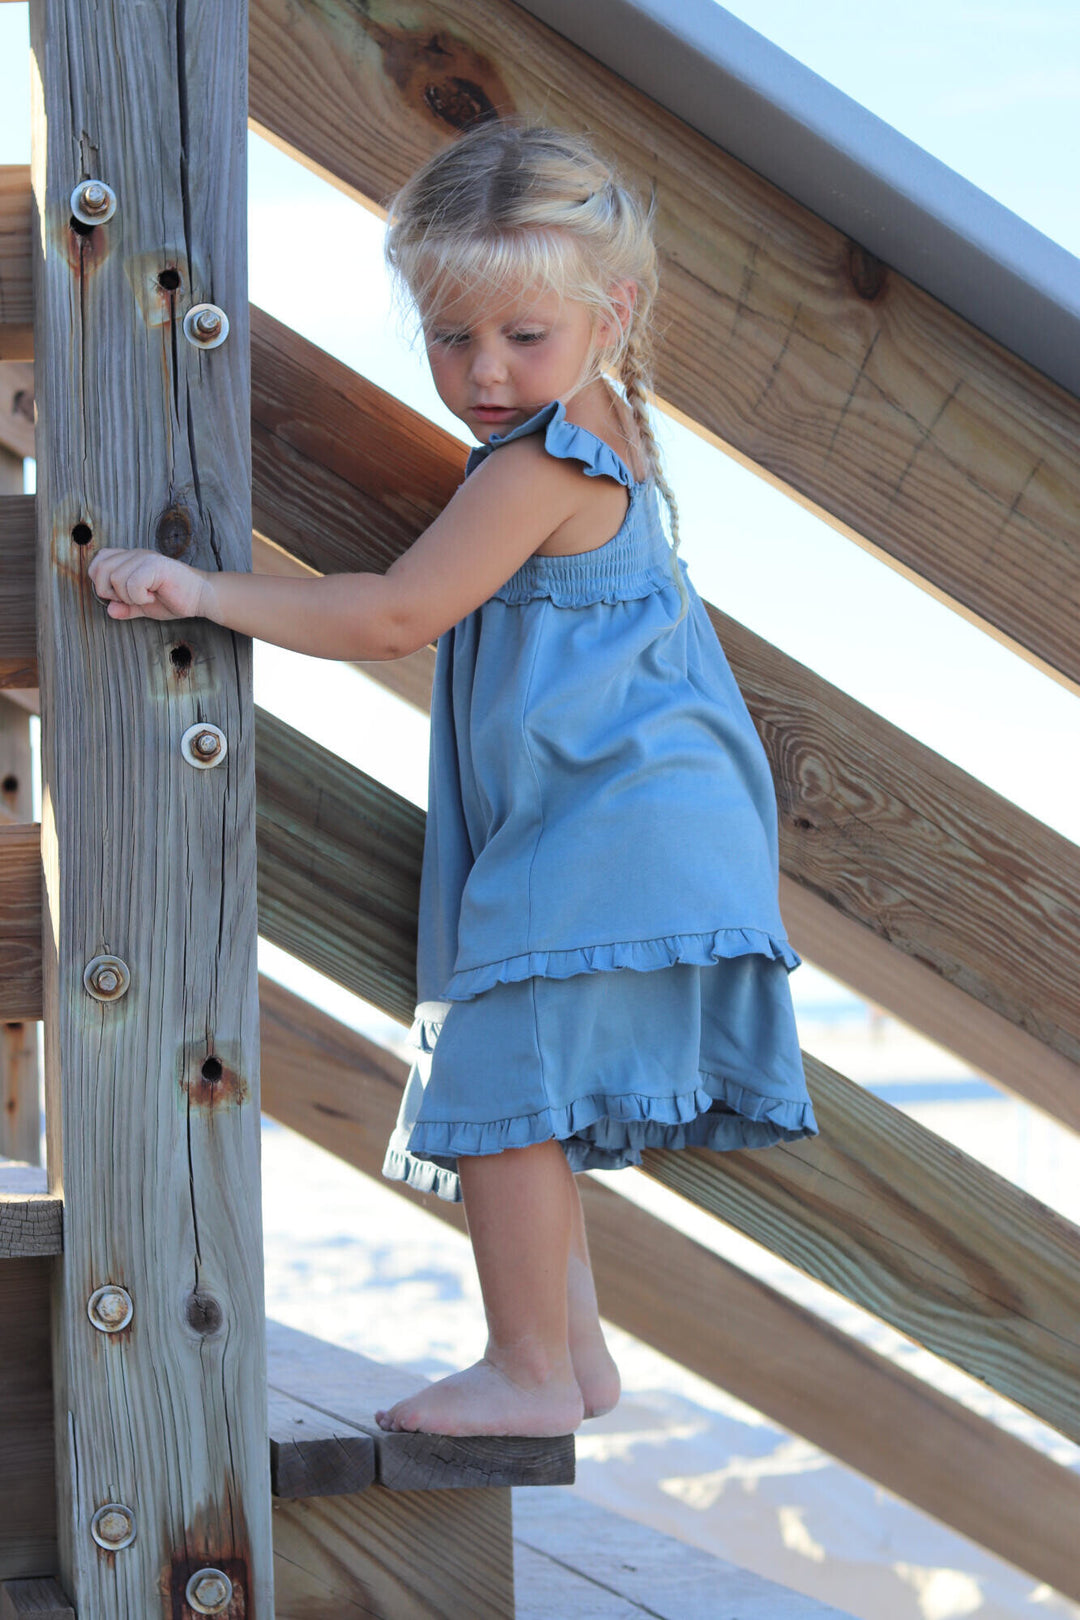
{"points": [[597, 1377], [484, 1400], [594, 1368]]}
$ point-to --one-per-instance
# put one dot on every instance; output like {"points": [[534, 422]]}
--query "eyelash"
{"points": [[452, 340]]}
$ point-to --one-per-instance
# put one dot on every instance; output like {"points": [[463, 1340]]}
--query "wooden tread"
{"points": [[31, 1218]]}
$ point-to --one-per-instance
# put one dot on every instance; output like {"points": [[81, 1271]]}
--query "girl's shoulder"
{"points": [[566, 441]]}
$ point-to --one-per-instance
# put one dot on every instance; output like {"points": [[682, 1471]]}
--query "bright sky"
{"points": [[992, 90]]}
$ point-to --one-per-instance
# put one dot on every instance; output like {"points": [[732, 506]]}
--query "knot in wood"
{"points": [[203, 1313], [172, 532], [868, 273]]}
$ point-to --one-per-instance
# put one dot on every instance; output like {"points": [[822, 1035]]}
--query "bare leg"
{"points": [[594, 1368], [519, 1206]]}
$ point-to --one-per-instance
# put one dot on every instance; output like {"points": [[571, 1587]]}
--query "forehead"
{"points": [[455, 301]]}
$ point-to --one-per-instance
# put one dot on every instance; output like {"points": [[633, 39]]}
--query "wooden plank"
{"points": [[20, 1108], [342, 1091], [395, 1555], [16, 274], [18, 639], [313, 1454], [880, 832], [27, 1477], [34, 1600], [31, 1218], [911, 1228], [350, 1387], [141, 435], [648, 1572], [20, 921], [791, 346], [344, 900], [16, 407]]}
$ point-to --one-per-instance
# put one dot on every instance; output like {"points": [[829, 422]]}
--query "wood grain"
{"points": [[18, 597], [34, 1600], [27, 1474], [16, 271], [785, 342], [313, 1454], [977, 903], [342, 1091], [339, 866], [142, 437], [20, 1110], [31, 1218]]}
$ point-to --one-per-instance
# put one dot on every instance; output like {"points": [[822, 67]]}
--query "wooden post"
{"points": [[151, 1055]]}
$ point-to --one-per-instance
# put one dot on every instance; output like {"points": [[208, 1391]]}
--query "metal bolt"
{"points": [[110, 1308], [209, 1591], [113, 1526], [206, 325], [204, 745], [93, 202], [106, 978]]}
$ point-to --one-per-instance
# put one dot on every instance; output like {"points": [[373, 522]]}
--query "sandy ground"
{"points": [[349, 1260]]}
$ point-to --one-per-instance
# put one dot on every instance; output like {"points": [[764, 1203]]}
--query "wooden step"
{"points": [[580, 1561], [348, 1388], [31, 1218], [34, 1600]]}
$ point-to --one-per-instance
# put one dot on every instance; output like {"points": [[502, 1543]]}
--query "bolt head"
{"points": [[113, 1526], [206, 744], [106, 978], [110, 1308], [209, 1591], [208, 324], [94, 197]]}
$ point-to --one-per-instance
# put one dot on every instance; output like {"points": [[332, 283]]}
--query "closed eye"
{"points": [[528, 337], [449, 340]]}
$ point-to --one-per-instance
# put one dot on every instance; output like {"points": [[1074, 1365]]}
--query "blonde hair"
{"points": [[510, 205]]}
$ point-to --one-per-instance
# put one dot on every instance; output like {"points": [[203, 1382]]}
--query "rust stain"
{"points": [[210, 1079], [441, 76], [86, 247], [183, 1567]]}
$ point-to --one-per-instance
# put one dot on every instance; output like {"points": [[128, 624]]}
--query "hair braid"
{"points": [[634, 376]]}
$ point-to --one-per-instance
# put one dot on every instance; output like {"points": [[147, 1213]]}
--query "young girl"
{"points": [[601, 963]]}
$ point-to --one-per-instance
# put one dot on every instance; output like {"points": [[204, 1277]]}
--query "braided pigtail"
{"points": [[634, 375]]}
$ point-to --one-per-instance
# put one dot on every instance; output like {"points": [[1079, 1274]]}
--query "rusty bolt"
{"points": [[113, 1526], [110, 1308], [209, 1591], [204, 745], [206, 326], [106, 978], [93, 202]]}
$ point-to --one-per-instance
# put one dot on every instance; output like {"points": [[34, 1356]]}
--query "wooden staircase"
{"points": [[911, 881]]}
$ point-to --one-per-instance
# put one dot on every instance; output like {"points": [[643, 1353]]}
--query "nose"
{"points": [[486, 365]]}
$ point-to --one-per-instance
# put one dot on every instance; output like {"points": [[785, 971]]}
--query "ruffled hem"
{"points": [[606, 1132], [642, 955]]}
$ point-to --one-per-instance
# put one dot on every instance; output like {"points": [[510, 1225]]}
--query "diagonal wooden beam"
{"points": [[342, 1091], [783, 341], [877, 1207], [907, 877]]}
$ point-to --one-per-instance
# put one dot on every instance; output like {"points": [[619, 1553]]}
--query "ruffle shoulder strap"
{"points": [[564, 439]]}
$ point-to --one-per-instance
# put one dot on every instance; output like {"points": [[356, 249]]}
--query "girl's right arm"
{"points": [[495, 520]]}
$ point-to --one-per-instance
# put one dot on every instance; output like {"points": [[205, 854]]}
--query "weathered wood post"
{"points": [[151, 1038]]}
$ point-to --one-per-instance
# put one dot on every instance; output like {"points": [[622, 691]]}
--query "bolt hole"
{"points": [[169, 279], [81, 227], [211, 1069], [82, 534], [11, 784], [181, 658]]}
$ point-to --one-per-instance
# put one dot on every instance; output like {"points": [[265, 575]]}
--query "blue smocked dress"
{"points": [[600, 953]]}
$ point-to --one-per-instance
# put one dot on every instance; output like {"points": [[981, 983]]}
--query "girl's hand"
{"points": [[145, 585]]}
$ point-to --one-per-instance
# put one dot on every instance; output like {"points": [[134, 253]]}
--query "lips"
{"points": [[493, 413]]}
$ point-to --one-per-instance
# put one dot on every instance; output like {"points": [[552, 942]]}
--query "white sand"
{"points": [[347, 1259]]}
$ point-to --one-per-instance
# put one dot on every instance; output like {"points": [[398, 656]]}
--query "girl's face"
{"points": [[494, 367]]}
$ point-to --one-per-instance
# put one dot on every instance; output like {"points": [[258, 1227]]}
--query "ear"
{"points": [[623, 295]]}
